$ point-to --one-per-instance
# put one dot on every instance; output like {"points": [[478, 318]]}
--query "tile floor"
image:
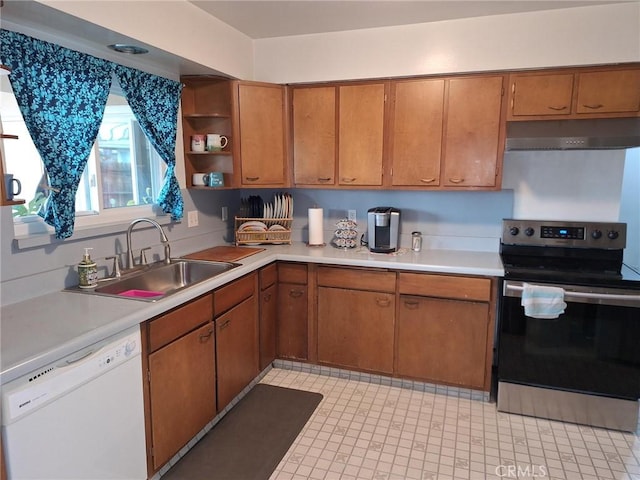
{"points": [[374, 431]]}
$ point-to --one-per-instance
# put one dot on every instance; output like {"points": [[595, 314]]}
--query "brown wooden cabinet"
{"points": [[292, 335], [262, 128], [207, 108], [314, 135], [268, 314], [473, 141], [356, 318], [180, 396], [616, 91], [445, 329], [237, 337], [361, 134], [415, 132], [543, 94], [574, 93]]}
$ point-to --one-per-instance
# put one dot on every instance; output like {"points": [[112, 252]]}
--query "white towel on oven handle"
{"points": [[542, 301]]}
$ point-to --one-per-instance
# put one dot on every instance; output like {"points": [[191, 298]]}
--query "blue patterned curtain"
{"points": [[154, 101], [62, 95]]}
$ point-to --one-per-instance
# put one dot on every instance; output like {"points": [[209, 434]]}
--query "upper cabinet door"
{"points": [[473, 143], [615, 91], [261, 112], [314, 135], [416, 132], [360, 134], [544, 94]]}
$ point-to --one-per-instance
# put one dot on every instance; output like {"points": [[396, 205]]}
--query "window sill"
{"points": [[81, 232]]}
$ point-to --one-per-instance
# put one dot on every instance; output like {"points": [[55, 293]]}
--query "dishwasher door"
{"points": [[80, 418]]}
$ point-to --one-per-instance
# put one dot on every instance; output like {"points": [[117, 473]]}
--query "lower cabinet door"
{"points": [[292, 321], [268, 325], [236, 350], [355, 329], [443, 341], [182, 391]]}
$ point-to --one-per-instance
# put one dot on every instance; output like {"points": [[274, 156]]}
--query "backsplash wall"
{"points": [[541, 184]]}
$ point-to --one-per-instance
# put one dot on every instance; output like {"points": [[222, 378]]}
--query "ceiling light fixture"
{"points": [[130, 49]]}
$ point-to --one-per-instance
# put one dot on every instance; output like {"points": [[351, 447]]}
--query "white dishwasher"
{"points": [[80, 418]]}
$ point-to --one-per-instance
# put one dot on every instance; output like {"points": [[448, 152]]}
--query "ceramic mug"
{"points": [[12, 186], [199, 179], [197, 143], [214, 179], [216, 142]]}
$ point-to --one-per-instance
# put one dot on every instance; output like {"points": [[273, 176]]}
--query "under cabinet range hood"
{"points": [[592, 134]]}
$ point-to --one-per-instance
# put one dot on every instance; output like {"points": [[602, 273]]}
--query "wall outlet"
{"points": [[224, 214], [351, 215], [192, 218]]}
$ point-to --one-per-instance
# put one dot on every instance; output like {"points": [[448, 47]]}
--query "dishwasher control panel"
{"points": [[25, 394]]}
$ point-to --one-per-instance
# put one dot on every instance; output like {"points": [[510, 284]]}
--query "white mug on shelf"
{"points": [[199, 179], [216, 142], [197, 143]]}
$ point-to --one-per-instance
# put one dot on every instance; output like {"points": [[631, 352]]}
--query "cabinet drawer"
{"points": [[445, 286], [268, 276], [231, 295], [163, 330], [357, 279], [292, 273]]}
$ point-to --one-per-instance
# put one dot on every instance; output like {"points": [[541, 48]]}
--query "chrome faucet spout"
{"points": [[163, 239]]}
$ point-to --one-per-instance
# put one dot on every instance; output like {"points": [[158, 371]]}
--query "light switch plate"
{"points": [[351, 215]]}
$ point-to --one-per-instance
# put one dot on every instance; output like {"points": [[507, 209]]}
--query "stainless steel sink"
{"points": [[161, 280]]}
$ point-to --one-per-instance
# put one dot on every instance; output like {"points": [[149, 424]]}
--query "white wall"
{"points": [[577, 36], [177, 27], [574, 185]]}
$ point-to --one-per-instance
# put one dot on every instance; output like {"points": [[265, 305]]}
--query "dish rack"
{"points": [[277, 231]]}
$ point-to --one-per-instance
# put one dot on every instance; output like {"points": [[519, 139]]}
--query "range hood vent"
{"points": [[592, 134]]}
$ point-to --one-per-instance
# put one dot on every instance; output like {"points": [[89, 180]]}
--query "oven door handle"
{"points": [[623, 299]]}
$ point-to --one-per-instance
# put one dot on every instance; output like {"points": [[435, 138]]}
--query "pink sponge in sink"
{"points": [[140, 293]]}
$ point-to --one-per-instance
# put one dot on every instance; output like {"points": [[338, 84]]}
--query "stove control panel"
{"points": [[607, 235]]}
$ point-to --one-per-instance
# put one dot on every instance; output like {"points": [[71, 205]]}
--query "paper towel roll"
{"points": [[315, 226]]}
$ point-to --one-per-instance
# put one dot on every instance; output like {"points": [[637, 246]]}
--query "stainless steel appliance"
{"points": [[383, 229], [583, 366]]}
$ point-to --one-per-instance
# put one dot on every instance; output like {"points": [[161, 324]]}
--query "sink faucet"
{"points": [[163, 239]]}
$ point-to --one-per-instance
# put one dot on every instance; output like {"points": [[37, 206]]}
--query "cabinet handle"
{"points": [[225, 324], [206, 336], [295, 293], [324, 179], [557, 109], [456, 180], [412, 304], [427, 180], [594, 107], [251, 179], [383, 302], [348, 180], [267, 297]]}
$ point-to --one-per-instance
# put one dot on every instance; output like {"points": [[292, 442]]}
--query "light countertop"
{"points": [[39, 331]]}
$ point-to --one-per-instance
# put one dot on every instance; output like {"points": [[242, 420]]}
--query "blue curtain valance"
{"points": [[62, 95]]}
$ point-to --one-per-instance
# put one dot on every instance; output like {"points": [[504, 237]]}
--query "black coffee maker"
{"points": [[383, 229]]}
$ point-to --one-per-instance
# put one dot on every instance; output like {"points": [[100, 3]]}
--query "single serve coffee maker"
{"points": [[383, 229]]}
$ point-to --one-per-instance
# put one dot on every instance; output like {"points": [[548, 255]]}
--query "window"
{"points": [[123, 170]]}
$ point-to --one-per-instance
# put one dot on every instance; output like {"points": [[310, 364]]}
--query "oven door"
{"points": [[592, 348]]}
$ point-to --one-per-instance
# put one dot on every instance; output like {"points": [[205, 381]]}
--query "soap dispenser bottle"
{"points": [[88, 271]]}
